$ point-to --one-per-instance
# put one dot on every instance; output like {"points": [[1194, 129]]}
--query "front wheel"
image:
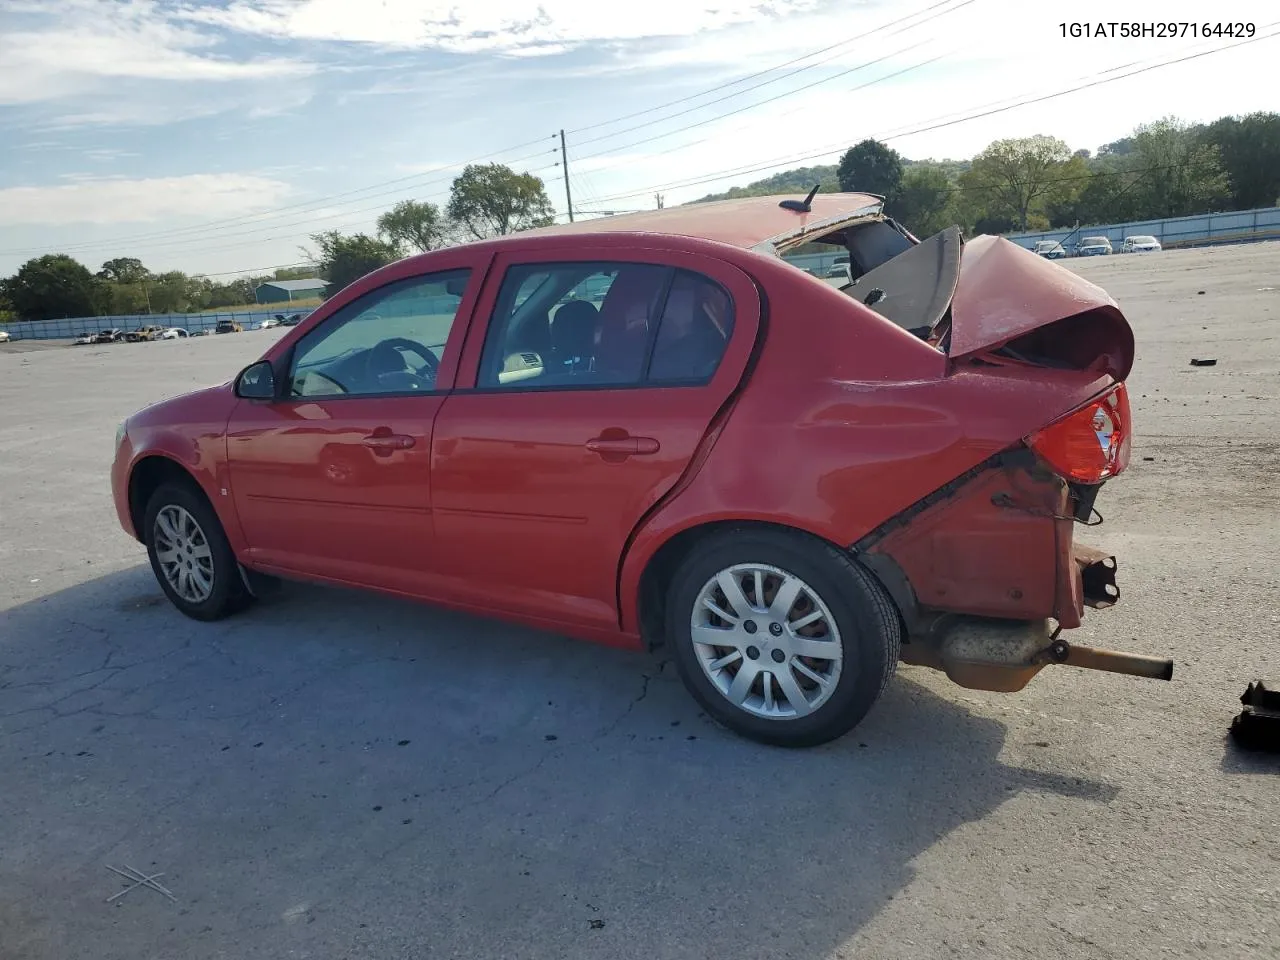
{"points": [[782, 638], [190, 555]]}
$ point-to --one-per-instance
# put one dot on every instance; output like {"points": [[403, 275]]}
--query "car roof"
{"points": [[747, 222]]}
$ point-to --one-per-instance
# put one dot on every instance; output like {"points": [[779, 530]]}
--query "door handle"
{"points": [[386, 442], [623, 446]]}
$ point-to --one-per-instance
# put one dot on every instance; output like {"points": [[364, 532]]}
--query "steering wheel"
{"points": [[385, 359]]}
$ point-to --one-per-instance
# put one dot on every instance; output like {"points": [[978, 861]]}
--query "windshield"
{"points": [[1093, 241], [1142, 239]]}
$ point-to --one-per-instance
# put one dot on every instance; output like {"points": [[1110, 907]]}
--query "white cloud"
{"points": [[512, 27], [70, 47], [157, 199]]}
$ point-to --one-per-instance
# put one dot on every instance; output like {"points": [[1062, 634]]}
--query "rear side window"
{"points": [[604, 324], [696, 326]]}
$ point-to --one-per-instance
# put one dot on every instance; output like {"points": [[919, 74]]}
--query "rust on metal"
{"points": [[1097, 576], [1112, 661]]}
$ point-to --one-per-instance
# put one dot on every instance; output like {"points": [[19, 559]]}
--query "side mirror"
{"points": [[257, 382]]}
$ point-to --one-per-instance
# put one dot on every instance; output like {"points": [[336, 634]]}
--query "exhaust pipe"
{"points": [[1112, 661]]}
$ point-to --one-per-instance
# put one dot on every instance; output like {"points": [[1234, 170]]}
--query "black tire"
{"points": [[868, 622], [228, 594]]}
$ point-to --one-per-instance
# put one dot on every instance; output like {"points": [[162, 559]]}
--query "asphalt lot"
{"points": [[335, 775]]}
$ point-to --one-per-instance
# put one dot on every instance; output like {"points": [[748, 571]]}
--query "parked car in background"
{"points": [[404, 436], [1141, 244], [1050, 249], [149, 332], [267, 324], [111, 335], [84, 339], [228, 326], [1093, 247], [175, 333], [289, 320], [4, 336]]}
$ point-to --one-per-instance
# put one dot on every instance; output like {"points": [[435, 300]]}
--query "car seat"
{"points": [[573, 335]]}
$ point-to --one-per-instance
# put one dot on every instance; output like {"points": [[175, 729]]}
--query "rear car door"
{"points": [[333, 478], [580, 403]]}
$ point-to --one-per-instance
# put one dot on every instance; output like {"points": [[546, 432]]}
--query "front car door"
{"points": [[332, 479], [580, 406]]}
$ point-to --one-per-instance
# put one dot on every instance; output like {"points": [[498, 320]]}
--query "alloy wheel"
{"points": [[183, 553], [766, 641]]}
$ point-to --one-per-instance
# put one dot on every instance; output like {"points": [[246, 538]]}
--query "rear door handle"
{"points": [[624, 446], [386, 442]]}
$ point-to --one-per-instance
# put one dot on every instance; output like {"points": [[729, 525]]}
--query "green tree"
{"points": [[924, 202], [124, 270], [128, 285], [1019, 179], [417, 226], [343, 259], [55, 286], [871, 167], [1108, 195], [1180, 170], [490, 200], [1250, 151], [173, 292]]}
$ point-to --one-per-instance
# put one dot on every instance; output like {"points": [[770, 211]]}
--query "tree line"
{"points": [[485, 200], [1167, 168]]}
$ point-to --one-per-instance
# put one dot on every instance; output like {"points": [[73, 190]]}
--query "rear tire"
{"points": [[190, 555], [828, 655]]}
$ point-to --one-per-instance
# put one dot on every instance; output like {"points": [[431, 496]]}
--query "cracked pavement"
{"points": [[335, 775]]}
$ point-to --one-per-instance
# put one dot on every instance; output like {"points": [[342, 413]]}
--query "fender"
{"points": [[202, 453]]}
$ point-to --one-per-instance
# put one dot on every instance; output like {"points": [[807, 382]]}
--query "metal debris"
{"points": [[1204, 363], [1257, 726]]}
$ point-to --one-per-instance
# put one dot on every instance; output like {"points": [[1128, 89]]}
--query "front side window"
{"points": [[389, 341], [604, 325]]}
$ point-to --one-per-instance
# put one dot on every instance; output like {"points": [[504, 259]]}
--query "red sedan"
{"points": [[654, 430]]}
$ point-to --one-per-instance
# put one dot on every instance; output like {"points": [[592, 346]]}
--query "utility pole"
{"points": [[658, 197], [564, 162]]}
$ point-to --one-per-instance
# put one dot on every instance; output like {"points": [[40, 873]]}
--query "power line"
{"points": [[1090, 76], [320, 202], [703, 106], [760, 73], [826, 151], [246, 219], [716, 119]]}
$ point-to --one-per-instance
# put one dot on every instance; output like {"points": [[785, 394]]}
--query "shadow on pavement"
{"points": [[352, 776]]}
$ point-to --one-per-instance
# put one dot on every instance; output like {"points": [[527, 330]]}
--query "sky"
{"points": [[215, 136]]}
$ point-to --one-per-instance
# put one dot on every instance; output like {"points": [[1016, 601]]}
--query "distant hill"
{"points": [[801, 181]]}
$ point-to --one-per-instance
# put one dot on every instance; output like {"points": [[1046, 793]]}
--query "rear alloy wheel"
{"points": [[782, 638], [190, 555]]}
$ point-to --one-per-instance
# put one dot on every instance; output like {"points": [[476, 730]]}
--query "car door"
{"points": [[333, 478], [575, 413]]}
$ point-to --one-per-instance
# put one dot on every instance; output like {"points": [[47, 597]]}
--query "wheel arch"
{"points": [[147, 475], [654, 578]]}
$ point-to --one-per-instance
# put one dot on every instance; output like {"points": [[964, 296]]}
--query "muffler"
{"points": [[1003, 656]]}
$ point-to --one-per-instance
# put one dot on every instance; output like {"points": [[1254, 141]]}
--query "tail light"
{"points": [[1090, 444]]}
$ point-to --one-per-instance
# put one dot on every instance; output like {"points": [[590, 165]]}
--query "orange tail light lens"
{"points": [[1090, 444]]}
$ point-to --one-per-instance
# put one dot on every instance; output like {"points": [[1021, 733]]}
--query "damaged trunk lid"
{"points": [[989, 301]]}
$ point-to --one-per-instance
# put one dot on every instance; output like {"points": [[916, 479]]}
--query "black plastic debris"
{"points": [[1257, 726], [1204, 363]]}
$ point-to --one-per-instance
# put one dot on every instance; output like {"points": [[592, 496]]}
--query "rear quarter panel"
{"points": [[846, 421]]}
